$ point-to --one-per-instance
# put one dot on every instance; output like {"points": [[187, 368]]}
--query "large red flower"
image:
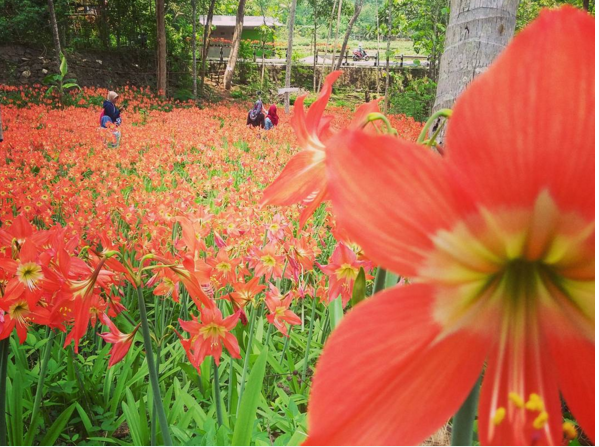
{"points": [[303, 180], [498, 238]]}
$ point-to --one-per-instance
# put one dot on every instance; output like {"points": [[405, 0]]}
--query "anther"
{"points": [[540, 420], [570, 431], [499, 416], [516, 399], [535, 403]]}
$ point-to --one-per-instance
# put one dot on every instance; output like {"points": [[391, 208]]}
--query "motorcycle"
{"points": [[360, 55]]}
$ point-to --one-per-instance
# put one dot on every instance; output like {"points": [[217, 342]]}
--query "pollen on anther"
{"points": [[535, 403], [540, 420], [499, 416], [516, 399], [570, 431]]}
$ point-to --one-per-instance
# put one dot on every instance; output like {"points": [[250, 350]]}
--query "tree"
{"points": [[206, 42], [478, 31], [289, 52], [161, 44], [193, 48], [388, 54], [54, 27], [357, 9], [235, 45]]}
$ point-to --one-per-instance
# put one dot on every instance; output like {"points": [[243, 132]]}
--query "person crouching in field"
{"points": [[256, 115], [110, 118], [272, 119]]}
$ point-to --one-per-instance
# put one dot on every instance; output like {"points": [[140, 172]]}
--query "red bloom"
{"points": [[498, 238], [208, 336], [342, 270], [279, 310], [303, 180], [121, 342], [246, 292]]}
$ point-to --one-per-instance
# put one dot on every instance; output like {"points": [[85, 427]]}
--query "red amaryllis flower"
{"points": [[246, 292], [279, 310], [342, 270], [303, 180], [208, 336], [121, 342], [499, 239]]}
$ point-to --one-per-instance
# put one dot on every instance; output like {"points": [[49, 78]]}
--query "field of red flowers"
{"points": [[151, 270]]}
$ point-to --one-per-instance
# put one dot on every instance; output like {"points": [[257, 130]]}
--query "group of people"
{"points": [[259, 117]]}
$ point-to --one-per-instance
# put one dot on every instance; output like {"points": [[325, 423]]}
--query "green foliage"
{"points": [[58, 83], [415, 99]]}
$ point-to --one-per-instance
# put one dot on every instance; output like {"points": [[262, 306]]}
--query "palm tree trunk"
{"points": [[387, 56], [336, 32], [235, 45], [193, 49], [477, 32]]}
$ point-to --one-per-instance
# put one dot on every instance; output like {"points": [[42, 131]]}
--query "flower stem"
{"points": [[379, 280], [4, 349], [439, 113], [248, 350], [285, 347], [463, 421], [39, 392], [145, 329], [219, 409], [307, 356]]}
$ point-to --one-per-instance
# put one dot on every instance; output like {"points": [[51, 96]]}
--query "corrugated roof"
{"points": [[248, 21]]}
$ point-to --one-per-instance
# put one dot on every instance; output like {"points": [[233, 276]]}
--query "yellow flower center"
{"points": [[269, 260], [214, 331], [347, 271], [29, 274], [223, 267], [19, 311]]}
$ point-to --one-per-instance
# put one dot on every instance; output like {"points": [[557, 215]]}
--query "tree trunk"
{"points": [[336, 32], [585, 5], [378, 51], [235, 45], [206, 43], [357, 10], [315, 51], [387, 56], [54, 26], [326, 48], [478, 31], [161, 40], [289, 52], [194, 67]]}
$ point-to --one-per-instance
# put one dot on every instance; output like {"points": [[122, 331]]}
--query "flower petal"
{"points": [[378, 382], [528, 123], [519, 368], [404, 194], [574, 357]]}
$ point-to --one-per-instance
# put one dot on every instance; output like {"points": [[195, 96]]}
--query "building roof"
{"points": [[248, 21]]}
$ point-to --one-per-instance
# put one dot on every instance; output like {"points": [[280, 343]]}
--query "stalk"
{"points": [[152, 369], [219, 410], [309, 341], [230, 393], [462, 429], [379, 280], [4, 349], [248, 350], [39, 392]]}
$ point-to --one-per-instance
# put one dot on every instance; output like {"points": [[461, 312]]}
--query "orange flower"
{"points": [[279, 310], [246, 292], [498, 238], [121, 342]]}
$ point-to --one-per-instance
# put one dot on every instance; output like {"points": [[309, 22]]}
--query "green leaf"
{"points": [[359, 292], [63, 66], [58, 426], [336, 312], [87, 423], [51, 78], [71, 85], [242, 434]]}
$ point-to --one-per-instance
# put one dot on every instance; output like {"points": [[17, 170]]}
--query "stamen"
{"points": [[570, 431], [535, 403], [516, 399], [499, 416], [541, 420]]}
